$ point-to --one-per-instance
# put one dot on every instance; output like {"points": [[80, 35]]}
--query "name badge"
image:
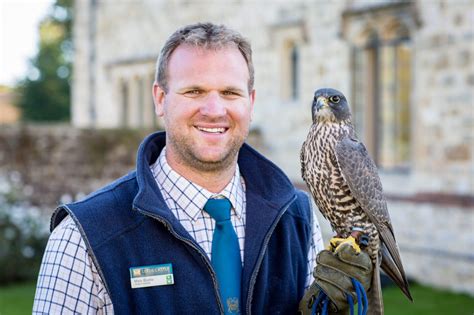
{"points": [[151, 276]]}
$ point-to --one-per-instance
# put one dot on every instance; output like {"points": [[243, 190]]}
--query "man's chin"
{"points": [[212, 160], [215, 160]]}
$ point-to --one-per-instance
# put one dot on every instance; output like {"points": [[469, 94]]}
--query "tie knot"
{"points": [[218, 209]]}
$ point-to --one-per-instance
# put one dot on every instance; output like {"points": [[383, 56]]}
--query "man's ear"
{"points": [[158, 99], [252, 101]]}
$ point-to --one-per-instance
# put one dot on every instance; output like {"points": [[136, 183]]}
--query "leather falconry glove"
{"points": [[333, 274]]}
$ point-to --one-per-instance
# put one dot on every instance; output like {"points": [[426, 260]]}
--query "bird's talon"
{"points": [[343, 241], [334, 243]]}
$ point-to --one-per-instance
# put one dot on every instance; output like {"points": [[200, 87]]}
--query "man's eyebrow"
{"points": [[234, 89], [227, 88], [191, 87]]}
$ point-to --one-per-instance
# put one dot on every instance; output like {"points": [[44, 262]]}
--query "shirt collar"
{"points": [[189, 196]]}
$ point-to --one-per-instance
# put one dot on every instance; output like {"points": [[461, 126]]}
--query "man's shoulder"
{"points": [[112, 197], [120, 186], [301, 207]]}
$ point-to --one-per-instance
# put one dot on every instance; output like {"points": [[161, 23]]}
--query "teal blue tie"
{"points": [[225, 254]]}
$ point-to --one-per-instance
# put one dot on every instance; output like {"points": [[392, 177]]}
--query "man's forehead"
{"points": [[203, 50], [210, 46], [225, 64]]}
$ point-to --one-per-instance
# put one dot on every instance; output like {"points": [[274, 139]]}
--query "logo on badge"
{"points": [[233, 305], [136, 272]]}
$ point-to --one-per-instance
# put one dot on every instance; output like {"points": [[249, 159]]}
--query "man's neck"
{"points": [[214, 181]]}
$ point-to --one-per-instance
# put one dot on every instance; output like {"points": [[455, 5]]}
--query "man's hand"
{"points": [[333, 275]]}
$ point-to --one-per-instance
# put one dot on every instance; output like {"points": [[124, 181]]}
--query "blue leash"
{"points": [[351, 303], [320, 306]]}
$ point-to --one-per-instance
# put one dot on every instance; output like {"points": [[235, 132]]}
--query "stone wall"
{"points": [[435, 243], [60, 164], [444, 97]]}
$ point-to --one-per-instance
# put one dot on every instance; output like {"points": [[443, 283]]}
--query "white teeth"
{"points": [[212, 130]]}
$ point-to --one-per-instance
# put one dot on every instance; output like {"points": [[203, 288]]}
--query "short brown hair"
{"points": [[207, 36]]}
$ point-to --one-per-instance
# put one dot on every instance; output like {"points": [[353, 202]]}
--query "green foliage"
{"points": [[23, 234], [44, 95]]}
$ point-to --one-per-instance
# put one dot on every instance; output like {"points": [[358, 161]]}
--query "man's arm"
{"points": [[316, 246], [68, 281]]}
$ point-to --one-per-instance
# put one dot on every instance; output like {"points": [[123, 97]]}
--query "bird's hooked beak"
{"points": [[321, 103]]}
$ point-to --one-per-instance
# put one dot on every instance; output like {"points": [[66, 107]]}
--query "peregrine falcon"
{"points": [[346, 187]]}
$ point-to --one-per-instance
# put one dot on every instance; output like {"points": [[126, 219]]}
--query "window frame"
{"points": [[371, 120]]}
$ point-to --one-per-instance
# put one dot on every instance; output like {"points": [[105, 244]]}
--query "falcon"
{"points": [[346, 187]]}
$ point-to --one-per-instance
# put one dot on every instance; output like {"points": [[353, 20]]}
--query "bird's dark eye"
{"points": [[335, 99]]}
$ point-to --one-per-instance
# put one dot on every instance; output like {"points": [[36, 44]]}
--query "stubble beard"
{"points": [[184, 149]]}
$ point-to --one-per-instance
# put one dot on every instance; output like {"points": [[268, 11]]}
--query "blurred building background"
{"points": [[407, 68]]}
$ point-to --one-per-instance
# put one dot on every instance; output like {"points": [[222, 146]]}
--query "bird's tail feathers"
{"points": [[394, 273], [388, 239]]}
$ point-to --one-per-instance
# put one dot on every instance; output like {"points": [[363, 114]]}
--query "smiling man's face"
{"points": [[207, 108]]}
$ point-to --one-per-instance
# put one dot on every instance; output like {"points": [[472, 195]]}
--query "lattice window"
{"points": [[382, 81]]}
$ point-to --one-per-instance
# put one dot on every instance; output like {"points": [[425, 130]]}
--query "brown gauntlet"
{"points": [[333, 275]]}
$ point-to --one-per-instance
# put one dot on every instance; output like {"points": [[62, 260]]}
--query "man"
{"points": [[149, 243]]}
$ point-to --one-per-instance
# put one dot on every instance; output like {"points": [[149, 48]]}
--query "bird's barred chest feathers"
{"points": [[323, 176]]}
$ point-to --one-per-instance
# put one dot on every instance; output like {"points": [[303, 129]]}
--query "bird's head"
{"points": [[330, 105]]}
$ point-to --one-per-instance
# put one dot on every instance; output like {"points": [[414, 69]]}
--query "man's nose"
{"points": [[214, 105]]}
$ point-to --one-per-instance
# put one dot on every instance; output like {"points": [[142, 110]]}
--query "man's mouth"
{"points": [[212, 130]]}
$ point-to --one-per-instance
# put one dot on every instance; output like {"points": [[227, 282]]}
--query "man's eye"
{"points": [[230, 93], [193, 92]]}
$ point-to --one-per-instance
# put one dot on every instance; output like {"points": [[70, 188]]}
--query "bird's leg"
{"points": [[357, 239], [334, 242], [337, 243]]}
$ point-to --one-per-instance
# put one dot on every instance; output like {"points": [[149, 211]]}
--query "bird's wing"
{"points": [[361, 175]]}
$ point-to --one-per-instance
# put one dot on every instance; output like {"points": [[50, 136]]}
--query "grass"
{"points": [[426, 301], [18, 299]]}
